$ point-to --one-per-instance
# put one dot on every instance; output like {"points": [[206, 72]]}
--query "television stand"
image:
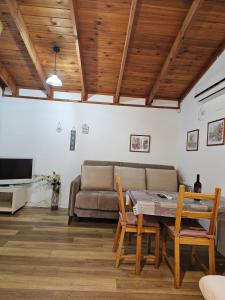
{"points": [[12, 198]]}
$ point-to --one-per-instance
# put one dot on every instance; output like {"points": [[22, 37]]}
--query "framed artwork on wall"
{"points": [[216, 133], [192, 140], [139, 143]]}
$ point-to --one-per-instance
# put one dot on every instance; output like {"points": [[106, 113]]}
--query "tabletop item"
{"points": [[197, 186]]}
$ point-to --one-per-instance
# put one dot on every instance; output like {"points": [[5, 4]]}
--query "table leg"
{"points": [[139, 244]]}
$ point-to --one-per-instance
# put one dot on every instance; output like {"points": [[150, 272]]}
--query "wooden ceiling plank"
{"points": [[196, 4], [205, 68], [73, 6], [7, 79], [125, 49], [21, 26], [1, 27]]}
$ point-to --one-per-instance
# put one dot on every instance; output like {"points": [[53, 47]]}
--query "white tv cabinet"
{"points": [[13, 197]]}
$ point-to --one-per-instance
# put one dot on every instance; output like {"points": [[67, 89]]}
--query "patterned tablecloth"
{"points": [[149, 203]]}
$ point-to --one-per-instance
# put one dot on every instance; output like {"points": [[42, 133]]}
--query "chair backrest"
{"points": [[210, 215], [119, 191]]}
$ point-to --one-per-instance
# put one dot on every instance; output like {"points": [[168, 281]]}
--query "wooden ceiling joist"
{"points": [[205, 68], [17, 17], [7, 79], [125, 50], [1, 27], [196, 4], [73, 6]]}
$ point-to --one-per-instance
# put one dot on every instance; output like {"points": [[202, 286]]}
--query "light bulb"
{"points": [[54, 80]]}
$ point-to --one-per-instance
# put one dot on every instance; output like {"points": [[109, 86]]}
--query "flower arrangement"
{"points": [[55, 181]]}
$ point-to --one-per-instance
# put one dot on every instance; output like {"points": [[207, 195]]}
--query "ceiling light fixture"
{"points": [[53, 79]]}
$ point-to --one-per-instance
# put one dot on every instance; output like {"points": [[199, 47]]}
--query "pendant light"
{"points": [[53, 79]]}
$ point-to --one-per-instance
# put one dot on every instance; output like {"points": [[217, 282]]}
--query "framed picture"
{"points": [[192, 140], [215, 133], [139, 143]]}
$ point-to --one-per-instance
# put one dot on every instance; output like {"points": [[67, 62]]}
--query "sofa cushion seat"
{"points": [[132, 178], [161, 180], [97, 200]]}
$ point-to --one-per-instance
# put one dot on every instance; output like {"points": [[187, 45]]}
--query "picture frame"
{"points": [[140, 143], [192, 140], [216, 132]]}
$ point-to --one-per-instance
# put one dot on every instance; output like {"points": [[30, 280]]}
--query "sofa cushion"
{"points": [[212, 287], [87, 200], [97, 178], [161, 180], [97, 200], [132, 178], [108, 201]]}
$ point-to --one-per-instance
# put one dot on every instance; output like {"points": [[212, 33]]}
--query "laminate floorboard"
{"points": [[41, 257]]}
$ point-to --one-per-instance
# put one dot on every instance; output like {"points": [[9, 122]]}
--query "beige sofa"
{"points": [[92, 194]]}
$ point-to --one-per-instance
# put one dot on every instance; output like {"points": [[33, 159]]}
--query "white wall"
{"points": [[28, 129], [209, 162]]}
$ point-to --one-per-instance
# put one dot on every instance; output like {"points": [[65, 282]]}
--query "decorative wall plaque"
{"points": [[85, 129], [72, 140]]}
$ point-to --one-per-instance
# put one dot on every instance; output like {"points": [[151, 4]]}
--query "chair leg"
{"points": [[193, 255], [164, 238], [176, 263], [149, 243], [119, 250], [117, 235], [70, 220], [139, 245], [157, 237], [211, 257]]}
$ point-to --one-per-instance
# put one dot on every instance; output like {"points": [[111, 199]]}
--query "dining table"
{"points": [[145, 202]]}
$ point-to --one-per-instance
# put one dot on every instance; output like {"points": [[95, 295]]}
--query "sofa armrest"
{"points": [[74, 189]]}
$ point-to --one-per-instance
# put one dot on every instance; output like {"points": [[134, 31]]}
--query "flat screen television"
{"points": [[15, 170]]}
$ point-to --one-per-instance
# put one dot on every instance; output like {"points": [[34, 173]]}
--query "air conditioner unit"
{"points": [[215, 90]]}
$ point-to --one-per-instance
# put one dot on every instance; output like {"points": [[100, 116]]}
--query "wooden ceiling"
{"points": [[152, 49]]}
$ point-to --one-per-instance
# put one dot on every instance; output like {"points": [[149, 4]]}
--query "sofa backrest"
{"points": [[137, 179], [125, 164]]}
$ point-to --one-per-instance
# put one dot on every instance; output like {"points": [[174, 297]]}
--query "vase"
{"points": [[55, 200]]}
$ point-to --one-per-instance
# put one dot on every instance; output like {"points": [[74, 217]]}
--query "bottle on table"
{"points": [[197, 186]]}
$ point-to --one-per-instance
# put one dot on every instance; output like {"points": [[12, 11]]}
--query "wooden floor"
{"points": [[43, 258]]}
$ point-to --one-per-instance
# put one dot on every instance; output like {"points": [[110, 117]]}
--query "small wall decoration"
{"points": [[140, 143], [216, 133], [192, 140], [72, 139], [85, 129], [59, 127]]}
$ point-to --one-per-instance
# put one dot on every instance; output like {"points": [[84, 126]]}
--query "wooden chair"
{"points": [[128, 224], [190, 232]]}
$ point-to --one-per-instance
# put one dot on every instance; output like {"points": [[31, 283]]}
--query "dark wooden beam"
{"points": [[205, 68], [7, 79], [1, 27], [73, 7], [125, 49], [14, 10], [196, 4], [90, 102]]}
